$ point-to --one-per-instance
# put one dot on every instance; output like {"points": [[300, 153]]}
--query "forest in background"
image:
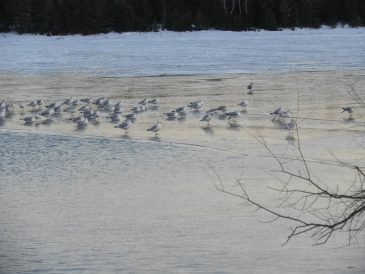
{"points": [[62, 17]]}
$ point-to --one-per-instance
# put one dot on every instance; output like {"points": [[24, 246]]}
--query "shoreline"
{"points": [[338, 26], [85, 73]]}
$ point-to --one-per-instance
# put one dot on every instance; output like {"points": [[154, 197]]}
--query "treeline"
{"points": [[55, 17]]}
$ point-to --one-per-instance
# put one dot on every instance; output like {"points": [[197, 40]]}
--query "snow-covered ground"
{"points": [[171, 53]]}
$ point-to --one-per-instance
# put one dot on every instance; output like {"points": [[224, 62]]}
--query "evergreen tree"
{"points": [[53, 17]]}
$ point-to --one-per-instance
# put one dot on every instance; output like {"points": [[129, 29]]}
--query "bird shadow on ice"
{"points": [[9, 115], [182, 119], [80, 128], [125, 136], [95, 123], [155, 139], [349, 119], [208, 130], [47, 122], [234, 126]]}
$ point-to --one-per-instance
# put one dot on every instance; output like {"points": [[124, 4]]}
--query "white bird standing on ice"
{"points": [[153, 101], [220, 108], [207, 117], [181, 111], [276, 111], [155, 128], [171, 115], [197, 105], [233, 116], [32, 104], [82, 123], [131, 116], [125, 125], [250, 87], [29, 120], [243, 103], [281, 112], [2, 117]]}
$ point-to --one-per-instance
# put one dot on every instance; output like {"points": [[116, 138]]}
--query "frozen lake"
{"points": [[99, 201], [171, 53]]}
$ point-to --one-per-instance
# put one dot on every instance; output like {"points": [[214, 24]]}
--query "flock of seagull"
{"points": [[86, 110]]}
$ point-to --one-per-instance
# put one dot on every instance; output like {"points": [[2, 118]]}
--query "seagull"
{"points": [[347, 109], [86, 110], [86, 100], [99, 101], [243, 103], [82, 123], [350, 111], [107, 102], [138, 109], [118, 105], [290, 125], [47, 112], [153, 104], [131, 116], [281, 112], [285, 114], [207, 117], [196, 105], [32, 104], [181, 111], [29, 120], [249, 87], [58, 109], [68, 101], [143, 102], [2, 117], [75, 102], [8, 107], [171, 115], [233, 115], [52, 105], [276, 111], [92, 115], [153, 101], [220, 108], [118, 109], [125, 125], [115, 117], [155, 128], [76, 119]]}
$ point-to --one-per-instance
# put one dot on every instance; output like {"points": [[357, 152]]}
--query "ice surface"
{"points": [[99, 201]]}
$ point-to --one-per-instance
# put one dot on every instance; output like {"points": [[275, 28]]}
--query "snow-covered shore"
{"points": [[186, 53]]}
